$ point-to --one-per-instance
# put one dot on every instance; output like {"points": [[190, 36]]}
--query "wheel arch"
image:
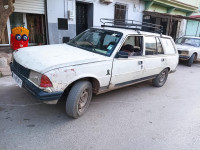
{"points": [[196, 55], [95, 84], [168, 69]]}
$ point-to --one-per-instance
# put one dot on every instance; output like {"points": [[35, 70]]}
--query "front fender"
{"points": [[62, 78]]}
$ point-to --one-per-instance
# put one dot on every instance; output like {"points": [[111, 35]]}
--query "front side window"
{"points": [[133, 46], [97, 41], [189, 41]]}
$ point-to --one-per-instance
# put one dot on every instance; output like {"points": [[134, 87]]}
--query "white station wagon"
{"points": [[96, 61], [189, 49]]}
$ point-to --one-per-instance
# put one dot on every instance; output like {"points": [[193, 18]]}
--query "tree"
{"points": [[6, 9]]}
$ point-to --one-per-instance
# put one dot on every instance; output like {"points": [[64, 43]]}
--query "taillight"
{"points": [[45, 82]]}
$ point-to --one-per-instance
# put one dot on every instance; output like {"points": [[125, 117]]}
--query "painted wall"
{"points": [[160, 9], [193, 28], [61, 8], [191, 2], [102, 10], [55, 11]]}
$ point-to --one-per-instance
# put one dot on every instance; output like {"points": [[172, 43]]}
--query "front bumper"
{"points": [[34, 90], [181, 57]]}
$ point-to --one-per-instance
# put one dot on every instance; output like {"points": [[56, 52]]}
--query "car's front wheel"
{"points": [[79, 99], [160, 78], [191, 60]]}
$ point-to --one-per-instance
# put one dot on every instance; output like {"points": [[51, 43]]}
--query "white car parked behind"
{"points": [[189, 49]]}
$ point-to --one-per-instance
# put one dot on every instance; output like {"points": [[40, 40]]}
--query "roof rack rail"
{"points": [[132, 24]]}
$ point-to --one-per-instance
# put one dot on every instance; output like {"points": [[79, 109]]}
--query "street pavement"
{"points": [[138, 117]]}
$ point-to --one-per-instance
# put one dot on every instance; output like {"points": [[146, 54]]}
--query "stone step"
{"points": [[5, 71]]}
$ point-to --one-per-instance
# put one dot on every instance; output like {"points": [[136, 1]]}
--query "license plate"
{"points": [[17, 79]]}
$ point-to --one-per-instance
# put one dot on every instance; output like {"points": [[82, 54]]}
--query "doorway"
{"points": [[175, 25], [84, 16]]}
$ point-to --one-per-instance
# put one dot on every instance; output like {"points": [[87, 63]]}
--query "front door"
{"points": [[128, 70]]}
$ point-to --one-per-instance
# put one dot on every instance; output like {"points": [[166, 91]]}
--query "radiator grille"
{"points": [[20, 69]]}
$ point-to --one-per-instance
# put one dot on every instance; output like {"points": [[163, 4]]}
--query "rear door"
{"points": [[155, 59], [171, 54]]}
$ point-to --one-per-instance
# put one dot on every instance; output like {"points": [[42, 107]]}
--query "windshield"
{"points": [[188, 41], [97, 41]]}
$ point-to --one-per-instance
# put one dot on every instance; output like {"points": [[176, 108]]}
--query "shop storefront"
{"points": [[172, 15]]}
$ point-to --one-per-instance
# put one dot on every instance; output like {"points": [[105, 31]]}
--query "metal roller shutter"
{"points": [[30, 6]]}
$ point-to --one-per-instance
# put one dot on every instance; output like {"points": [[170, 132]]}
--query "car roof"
{"points": [[194, 37], [131, 31]]}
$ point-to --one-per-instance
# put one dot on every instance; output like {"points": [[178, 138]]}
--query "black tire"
{"points": [[191, 60], [79, 99], [161, 78]]}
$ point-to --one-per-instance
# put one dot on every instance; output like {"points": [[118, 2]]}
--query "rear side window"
{"points": [[153, 46], [159, 46], [150, 46], [169, 47]]}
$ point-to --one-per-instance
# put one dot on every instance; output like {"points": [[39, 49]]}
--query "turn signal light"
{"points": [[45, 82]]}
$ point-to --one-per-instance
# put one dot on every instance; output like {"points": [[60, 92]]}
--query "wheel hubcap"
{"points": [[83, 100], [162, 76]]}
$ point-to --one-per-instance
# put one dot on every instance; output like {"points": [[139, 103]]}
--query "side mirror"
{"points": [[122, 54]]}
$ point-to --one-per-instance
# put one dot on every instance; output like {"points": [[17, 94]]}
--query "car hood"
{"points": [[185, 47], [48, 57]]}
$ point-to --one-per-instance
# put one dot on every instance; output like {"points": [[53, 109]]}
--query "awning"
{"points": [[169, 15]]}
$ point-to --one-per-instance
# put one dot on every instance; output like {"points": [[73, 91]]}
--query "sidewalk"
{"points": [[5, 59]]}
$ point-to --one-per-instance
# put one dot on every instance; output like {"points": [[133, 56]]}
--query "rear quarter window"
{"points": [[168, 46]]}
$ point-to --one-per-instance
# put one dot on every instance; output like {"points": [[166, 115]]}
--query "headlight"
{"points": [[35, 77], [184, 52]]}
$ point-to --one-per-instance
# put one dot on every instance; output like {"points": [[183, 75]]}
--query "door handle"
{"points": [[140, 62], [163, 59]]}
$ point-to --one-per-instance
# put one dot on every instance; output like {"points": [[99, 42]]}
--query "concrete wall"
{"points": [[57, 10], [183, 26], [60, 9]]}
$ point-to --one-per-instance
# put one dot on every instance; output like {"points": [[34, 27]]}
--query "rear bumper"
{"points": [[34, 90]]}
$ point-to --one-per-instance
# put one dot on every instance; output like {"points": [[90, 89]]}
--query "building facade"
{"points": [[173, 15], [55, 22], [79, 15]]}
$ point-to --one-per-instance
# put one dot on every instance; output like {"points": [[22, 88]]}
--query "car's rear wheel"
{"points": [[79, 99], [191, 60], [160, 78]]}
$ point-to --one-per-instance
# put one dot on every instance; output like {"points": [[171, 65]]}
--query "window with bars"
{"points": [[120, 12]]}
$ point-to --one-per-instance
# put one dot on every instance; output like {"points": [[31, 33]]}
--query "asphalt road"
{"points": [[139, 117]]}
